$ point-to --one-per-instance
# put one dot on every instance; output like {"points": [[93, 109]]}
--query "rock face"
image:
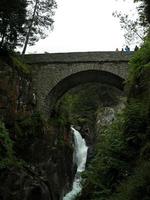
{"points": [[106, 115], [55, 163], [46, 149], [49, 179], [21, 184], [16, 95]]}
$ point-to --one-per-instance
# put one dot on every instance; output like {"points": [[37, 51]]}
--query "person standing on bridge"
{"points": [[127, 49], [136, 48]]}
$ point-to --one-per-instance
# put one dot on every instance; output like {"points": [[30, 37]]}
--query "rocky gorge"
{"points": [[40, 161], [41, 164], [37, 155]]}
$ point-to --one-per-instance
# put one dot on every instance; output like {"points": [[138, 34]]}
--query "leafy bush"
{"points": [[20, 65], [16, 62], [137, 186], [137, 65], [136, 122], [140, 58]]}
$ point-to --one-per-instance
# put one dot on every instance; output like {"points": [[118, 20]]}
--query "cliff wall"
{"points": [[40, 163]]}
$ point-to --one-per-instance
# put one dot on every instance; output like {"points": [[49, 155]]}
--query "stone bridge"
{"points": [[56, 73]]}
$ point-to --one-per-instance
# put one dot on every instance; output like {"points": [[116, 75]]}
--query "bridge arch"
{"points": [[79, 78], [54, 74]]}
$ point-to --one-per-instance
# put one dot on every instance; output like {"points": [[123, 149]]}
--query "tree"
{"points": [[144, 11], [12, 18], [133, 30], [39, 19]]}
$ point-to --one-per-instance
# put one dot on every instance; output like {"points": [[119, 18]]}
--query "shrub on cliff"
{"points": [[15, 61], [6, 147], [139, 67], [29, 125], [28, 130], [136, 187]]}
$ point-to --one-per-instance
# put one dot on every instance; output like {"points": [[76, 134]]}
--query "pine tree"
{"points": [[12, 18], [39, 20]]}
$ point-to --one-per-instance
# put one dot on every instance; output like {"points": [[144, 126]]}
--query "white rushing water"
{"points": [[80, 159]]}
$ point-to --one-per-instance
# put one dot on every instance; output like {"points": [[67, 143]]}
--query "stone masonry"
{"points": [[56, 73]]}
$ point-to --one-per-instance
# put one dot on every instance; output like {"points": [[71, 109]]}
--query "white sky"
{"points": [[85, 25]]}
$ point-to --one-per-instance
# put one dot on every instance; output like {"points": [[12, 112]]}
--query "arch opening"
{"points": [[79, 78]]}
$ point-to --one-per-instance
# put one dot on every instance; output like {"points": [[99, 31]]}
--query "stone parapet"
{"points": [[106, 56]]}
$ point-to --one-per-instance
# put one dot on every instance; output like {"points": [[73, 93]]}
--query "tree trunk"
{"points": [[29, 29]]}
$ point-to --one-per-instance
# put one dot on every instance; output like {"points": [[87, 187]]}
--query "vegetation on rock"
{"points": [[79, 106], [15, 61], [120, 167], [6, 147]]}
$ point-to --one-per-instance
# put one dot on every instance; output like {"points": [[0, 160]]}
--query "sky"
{"points": [[85, 25]]}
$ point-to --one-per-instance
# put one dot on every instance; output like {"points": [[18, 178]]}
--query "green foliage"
{"points": [[79, 105], [140, 59], [138, 67], [27, 131], [16, 62], [6, 147], [136, 122], [120, 146], [29, 126], [12, 18], [110, 165], [20, 65], [76, 108], [144, 11], [120, 169], [24, 22], [38, 21], [145, 151], [133, 31], [137, 186]]}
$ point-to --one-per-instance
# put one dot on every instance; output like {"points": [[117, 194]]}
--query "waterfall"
{"points": [[80, 159]]}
